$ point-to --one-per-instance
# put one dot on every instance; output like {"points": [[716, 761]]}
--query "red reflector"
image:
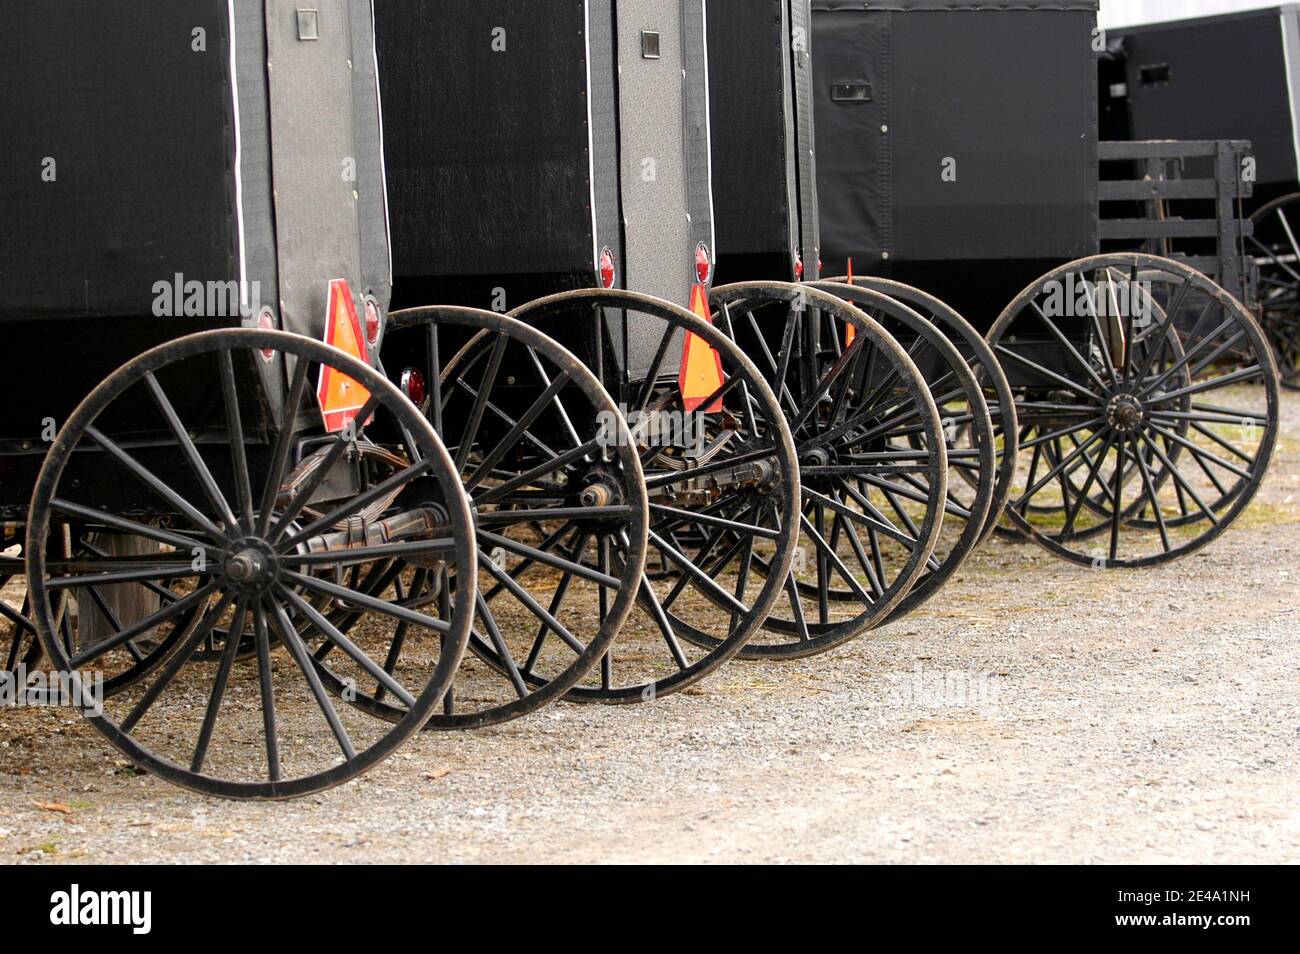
{"points": [[372, 321], [703, 265], [266, 321], [413, 386], [798, 267], [701, 370], [340, 397], [607, 268]]}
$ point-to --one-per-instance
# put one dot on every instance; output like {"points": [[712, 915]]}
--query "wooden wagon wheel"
{"points": [[1275, 246], [873, 459], [559, 504], [1178, 432], [723, 487], [269, 729]]}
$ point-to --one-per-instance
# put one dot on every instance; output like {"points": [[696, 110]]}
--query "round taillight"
{"points": [[607, 268], [798, 267], [413, 386], [703, 265], [266, 321], [372, 321]]}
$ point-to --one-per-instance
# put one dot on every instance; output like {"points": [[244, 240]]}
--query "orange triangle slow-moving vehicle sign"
{"points": [[701, 370], [341, 397], [850, 332]]}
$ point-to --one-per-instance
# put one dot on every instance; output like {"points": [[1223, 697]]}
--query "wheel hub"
{"points": [[818, 457], [251, 566], [600, 487], [1125, 412]]}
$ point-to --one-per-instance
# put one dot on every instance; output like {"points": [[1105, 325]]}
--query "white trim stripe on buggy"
{"points": [[1291, 39], [708, 136], [383, 161], [238, 163], [591, 145]]}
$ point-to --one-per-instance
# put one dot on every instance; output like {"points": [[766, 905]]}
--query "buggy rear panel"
{"points": [[956, 142], [171, 168], [524, 140], [1225, 77]]}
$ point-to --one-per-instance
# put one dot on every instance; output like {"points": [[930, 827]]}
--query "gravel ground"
{"points": [[1034, 712]]}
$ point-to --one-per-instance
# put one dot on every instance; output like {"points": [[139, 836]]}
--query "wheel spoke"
{"points": [[525, 421], [476, 412], [499, 644], [559, 462], [270, 730], [235, 431], [142, 626], [174, 665], [550, 559], [150, 480], [289, 636], [216, 498], [283, 443], [219, 683], [534, 607], [833, 559], [332, 633], [366, 601], [703, 581], [362, 500], [1179, 480], [1070, 349], [302, 496]]}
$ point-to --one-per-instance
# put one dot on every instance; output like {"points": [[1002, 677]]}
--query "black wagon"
{"points": [[1229, 77], [878, 396], [207, 466], [551, 162], [957, 151]]}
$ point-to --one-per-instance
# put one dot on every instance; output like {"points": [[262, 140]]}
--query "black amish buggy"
{"points": [[957, 149], [881, 401], [196, 274], [551, 161], [1216, 80]]}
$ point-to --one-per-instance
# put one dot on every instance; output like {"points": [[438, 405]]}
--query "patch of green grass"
{"points": [[1260, 514]]}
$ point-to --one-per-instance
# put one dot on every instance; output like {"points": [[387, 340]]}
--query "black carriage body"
{"points": [[524, 140], [1225, 77], [171, 168], [764, 183], [956, 142]]}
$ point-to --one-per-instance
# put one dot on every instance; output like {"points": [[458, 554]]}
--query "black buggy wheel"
{"points": [[872, 459], [723, 486], [559, 503], [1275, 246], [1148, 426], [967, 429], [249, 561], [997, 395]]}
